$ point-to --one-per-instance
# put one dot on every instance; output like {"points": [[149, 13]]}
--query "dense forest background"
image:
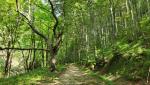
{"points": [[108, 36]]}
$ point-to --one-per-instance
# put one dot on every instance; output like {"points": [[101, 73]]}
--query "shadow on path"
{"points": [[73, 76]]}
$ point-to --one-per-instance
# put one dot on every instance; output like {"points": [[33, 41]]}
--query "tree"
{"points": [[54, 42]]}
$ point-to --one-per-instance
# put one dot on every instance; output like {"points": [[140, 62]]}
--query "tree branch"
{"points": [[31, 26], [57, 36], [41, 7], [54, 15]]}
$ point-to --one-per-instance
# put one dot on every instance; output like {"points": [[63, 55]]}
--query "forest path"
{"points": [[74, 76]]}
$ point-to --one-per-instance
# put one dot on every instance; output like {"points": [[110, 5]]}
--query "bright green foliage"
{"points": [[40, 74], [111, 35], [97, 29]]}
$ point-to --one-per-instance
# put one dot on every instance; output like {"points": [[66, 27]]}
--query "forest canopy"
{"points": [[108, 36]]}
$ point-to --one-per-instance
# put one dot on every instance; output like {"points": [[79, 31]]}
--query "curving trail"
{"points": [[74, 76]]}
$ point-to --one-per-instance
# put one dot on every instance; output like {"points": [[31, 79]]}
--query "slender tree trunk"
{"points": [[113, 24], [34, 52], [47, 56], [7, 62], [148, 6], [43, 59]]}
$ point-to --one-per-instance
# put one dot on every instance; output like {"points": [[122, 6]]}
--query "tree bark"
{"points": [[7, 62], [53, 62]]}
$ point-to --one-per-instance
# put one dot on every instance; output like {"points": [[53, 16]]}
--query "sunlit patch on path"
{"points": [[74, 76]]}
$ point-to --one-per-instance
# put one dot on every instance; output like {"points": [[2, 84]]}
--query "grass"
{"points": [[97, 75], [102, 78], [32, 77]]}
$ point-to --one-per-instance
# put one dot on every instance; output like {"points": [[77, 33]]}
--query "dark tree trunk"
{"points": [[47, 56], [43, 61], [7, 62]]}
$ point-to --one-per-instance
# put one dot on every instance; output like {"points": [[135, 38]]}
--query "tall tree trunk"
{"points": [[47, 55], [7, 62], [148, 6], [113, 24], [42, 52]]}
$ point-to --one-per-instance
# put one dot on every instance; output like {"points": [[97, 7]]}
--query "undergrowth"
{"points": [[32, 77]]}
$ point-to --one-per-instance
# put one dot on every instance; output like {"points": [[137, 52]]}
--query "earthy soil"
{"points": [[73, 76]]}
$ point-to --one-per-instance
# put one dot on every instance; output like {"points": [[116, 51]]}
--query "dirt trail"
{"points": [[74, 76]]}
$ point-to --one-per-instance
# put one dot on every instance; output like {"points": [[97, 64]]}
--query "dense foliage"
{"points": [[111, 36]]}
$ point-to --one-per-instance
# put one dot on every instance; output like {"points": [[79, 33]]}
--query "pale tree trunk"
{"points": [[113, 24], [148, 6], [53, 62]]}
